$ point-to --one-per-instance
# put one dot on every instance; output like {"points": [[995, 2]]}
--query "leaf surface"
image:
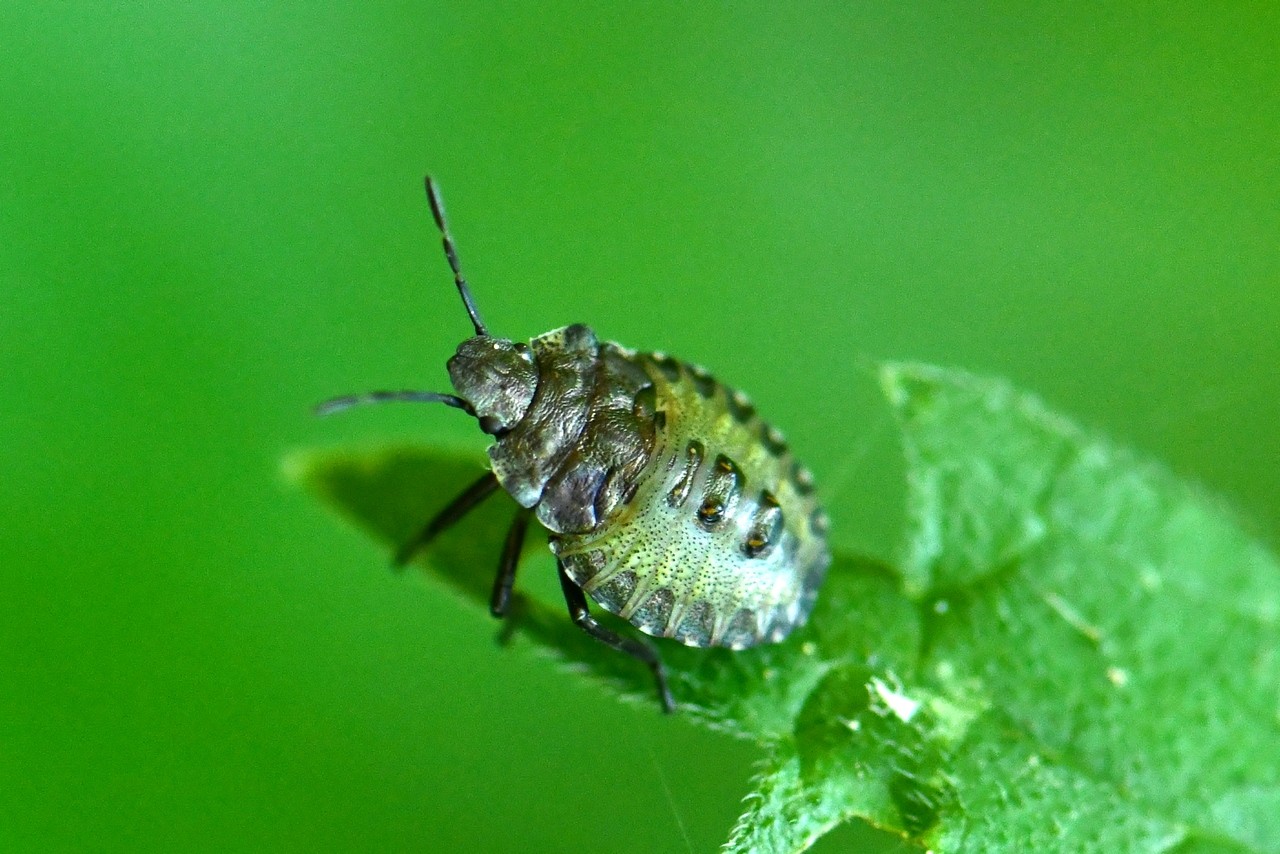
{"points": [[1077, 653]]}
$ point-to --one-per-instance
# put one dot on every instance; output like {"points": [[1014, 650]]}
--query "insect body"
{"points": [[667, 499]]}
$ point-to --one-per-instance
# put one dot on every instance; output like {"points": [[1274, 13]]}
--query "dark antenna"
{"points": [[451, 253], [337, 404]]}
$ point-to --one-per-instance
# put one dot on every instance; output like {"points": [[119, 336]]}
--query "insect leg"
{"points": [[485, 486], [502, 584], [577, 602]]}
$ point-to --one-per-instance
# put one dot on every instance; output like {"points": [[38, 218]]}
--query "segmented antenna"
{"points": [[338, 404], [451, 253]]}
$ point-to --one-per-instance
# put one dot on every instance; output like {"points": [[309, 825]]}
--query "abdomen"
{"points": [[723, 542]]}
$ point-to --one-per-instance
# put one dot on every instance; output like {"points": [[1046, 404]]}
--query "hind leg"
{"points": [[581, 616]]}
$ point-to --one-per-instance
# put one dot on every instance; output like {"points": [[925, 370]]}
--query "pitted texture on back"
{"points": [[585, 438], [497, 377]]}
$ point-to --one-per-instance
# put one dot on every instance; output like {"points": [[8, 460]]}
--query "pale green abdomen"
{"points": [[683, 557]]}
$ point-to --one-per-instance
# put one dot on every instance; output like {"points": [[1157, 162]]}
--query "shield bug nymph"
{"points": [[666, 498]]}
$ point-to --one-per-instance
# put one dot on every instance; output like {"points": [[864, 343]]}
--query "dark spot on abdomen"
{"points": [[667, 366], [772, 440], [740, 407], [703, 382]]}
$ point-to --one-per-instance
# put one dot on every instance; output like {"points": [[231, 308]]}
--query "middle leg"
{"points": [[500, 601]]}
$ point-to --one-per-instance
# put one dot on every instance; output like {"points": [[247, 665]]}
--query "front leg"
{"points": [[579, 613], [469, 500], [500, 601]]}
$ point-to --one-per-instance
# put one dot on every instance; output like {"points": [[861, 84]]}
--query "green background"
{"points": [[211, 218]]}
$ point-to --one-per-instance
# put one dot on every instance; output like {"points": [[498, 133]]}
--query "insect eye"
{"points": [[493, 426], [711, 512]]}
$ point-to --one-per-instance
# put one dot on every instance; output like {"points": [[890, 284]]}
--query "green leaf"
{"points": [[1121, 626], [1078, 653]]}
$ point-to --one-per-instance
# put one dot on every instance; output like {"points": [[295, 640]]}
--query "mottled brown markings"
{"points": [[743, 629], [614, 593], [656, 610], [695, 625], [693, 456], [585, 566]]}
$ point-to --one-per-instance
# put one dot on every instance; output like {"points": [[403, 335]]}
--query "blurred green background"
{"points": [[211, 217]]}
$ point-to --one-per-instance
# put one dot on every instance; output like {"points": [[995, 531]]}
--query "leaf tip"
{"points": [[909, 386]]}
